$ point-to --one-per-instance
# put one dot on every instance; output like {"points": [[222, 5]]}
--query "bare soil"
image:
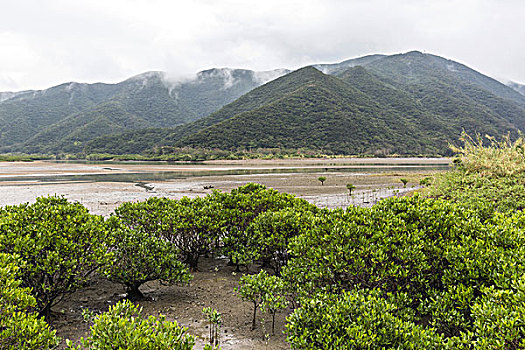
{"points": [[212, 286]]}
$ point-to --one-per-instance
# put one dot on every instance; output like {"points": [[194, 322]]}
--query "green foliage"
{"points": [[20, 328], [499, 159], [356, 320], [427, 181], [485, 175], [240, 207], [140, 256], [124, 327], [60, 243], [453, 271], [498, 318], [274, 298], [321, 179], [270, 233], [397, 245], [350, 188], [404, 181], [192, 226], [21, 157], [265, 291], [215, 319]]}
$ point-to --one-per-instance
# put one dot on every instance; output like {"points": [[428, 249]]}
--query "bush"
{"points": [[263, 291], [500, 158], [356, 320], [498, 317], [191, 226], [20, 328], [456, 271], [270, 232], [124, 327], [240, 207], [139, 257], [493, 174], [60, 243]]}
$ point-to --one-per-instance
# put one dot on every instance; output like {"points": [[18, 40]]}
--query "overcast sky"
{"points": [[48, 42]]}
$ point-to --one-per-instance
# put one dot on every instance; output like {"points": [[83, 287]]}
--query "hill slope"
{"points": [[49, 120], [353, 114], [411, 103]]}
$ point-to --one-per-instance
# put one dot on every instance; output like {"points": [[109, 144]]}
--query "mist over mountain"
{"points": [[64, 117], [412, 103], [516, 86]]}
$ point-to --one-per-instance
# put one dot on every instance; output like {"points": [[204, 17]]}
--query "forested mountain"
{"points": [[416, 69], [354, 113], [412, 103], [63, 118]]}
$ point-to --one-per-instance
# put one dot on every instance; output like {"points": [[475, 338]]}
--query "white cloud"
{"points": [[47, 42]]}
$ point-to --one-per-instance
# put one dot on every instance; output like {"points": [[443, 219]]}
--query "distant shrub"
{"points": [[500, 158], [492, 175]]}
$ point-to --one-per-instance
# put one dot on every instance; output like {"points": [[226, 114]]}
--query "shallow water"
{"points": [[182, 174], [102, 186]]}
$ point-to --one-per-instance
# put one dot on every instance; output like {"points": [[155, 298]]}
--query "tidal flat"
{"points": [[102, 186]]}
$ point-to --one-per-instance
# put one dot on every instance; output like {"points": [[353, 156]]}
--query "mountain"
{"points": [[516, 86], [416, 68], [411, 103], [64, 117], [314, 111], [383, 109]]}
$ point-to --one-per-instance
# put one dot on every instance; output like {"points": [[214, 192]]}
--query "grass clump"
{"points": [[501, 158], [486, 174]]}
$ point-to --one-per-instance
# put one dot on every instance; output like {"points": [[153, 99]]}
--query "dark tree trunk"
{"points": [[46, 313], [273, 323], [254, 312], [193, 262], [133, 293]]}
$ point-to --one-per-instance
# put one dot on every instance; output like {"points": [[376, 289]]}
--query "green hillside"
{"points": [[50, 120], [26, 114], [70, 134], [412, 103], [360, 111], [320, 112], [130, 142]]}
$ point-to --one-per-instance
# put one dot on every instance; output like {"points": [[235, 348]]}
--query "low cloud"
{"points": [[45, 43]]}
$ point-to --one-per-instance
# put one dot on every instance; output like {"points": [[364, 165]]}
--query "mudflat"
{"points": [[102, 186]]}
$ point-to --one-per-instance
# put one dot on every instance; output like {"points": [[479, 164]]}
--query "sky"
{"points": [[47, 42]]}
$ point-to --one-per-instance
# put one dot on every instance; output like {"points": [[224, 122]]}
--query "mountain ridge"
{"points": [[409, 89], [150, 96]]}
